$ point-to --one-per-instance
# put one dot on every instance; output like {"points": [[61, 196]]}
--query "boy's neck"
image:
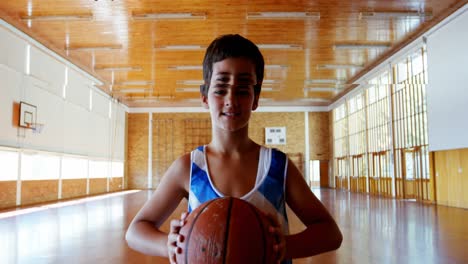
{"points": [[224, 142]]}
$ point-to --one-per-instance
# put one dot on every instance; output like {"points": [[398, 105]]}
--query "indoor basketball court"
{"points": [[368, 100]]}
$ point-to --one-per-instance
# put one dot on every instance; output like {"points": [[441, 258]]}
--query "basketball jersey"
{"points": [[268, 193]]}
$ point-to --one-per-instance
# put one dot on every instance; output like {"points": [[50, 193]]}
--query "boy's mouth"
{"points": [[230, 114]]}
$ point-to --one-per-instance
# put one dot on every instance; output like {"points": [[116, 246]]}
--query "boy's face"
{"points": [[231, 96]]}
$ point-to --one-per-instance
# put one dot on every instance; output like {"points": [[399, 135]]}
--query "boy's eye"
{"points": [[219, 91]]}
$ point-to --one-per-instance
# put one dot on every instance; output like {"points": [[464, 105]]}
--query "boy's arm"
{"points": [[322, 233], [143, 234]]}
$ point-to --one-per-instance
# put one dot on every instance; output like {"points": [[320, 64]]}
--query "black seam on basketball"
{"points": [[226, 237], [264, 236], [191, 228]]}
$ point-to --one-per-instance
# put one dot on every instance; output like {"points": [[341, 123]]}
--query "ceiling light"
{"points": [[338, 66], [188, 90], [193, 100], [82, 17], [387, 15], [320, 89], [269, 89], [142, 90], [181, 47], [151, 98], [283, 15], [269, 81], [144, 100], [94, 47], [190, 82], [135, 83], [362, 46], [275, 66], [324, 81], [117, 68], [163, 16], [186, 67], [280, 46], [316, 100]]}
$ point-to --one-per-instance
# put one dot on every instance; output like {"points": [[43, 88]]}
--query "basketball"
{"points": [[226, 230]]}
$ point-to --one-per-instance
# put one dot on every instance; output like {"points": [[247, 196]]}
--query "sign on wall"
{"points": [[275, 135]]}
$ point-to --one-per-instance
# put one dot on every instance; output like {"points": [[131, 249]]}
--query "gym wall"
{"points": [[174, 134]]}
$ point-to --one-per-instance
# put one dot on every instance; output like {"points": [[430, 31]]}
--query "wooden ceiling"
{"points": [[112, 40]]}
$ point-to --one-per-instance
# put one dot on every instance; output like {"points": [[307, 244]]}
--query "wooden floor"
{"points": [[376, 230]]}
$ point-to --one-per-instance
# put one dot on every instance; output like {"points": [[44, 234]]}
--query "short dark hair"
{"points": [[232, 46]]}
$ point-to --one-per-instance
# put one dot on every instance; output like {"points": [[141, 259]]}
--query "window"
{"points": [[117, 169], [39, 166], [74, 168], [9, 165], [98, 169]]}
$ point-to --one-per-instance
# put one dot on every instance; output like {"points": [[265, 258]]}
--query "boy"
{"points": [[234, 165]]}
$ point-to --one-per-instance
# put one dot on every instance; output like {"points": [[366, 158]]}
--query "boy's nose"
{"points": [[230, 99]]}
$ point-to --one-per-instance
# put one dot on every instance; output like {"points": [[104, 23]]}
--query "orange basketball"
{"points": [[229, 231]]}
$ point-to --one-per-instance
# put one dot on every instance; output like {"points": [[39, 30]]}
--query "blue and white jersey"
{"points": [[267, 195]]}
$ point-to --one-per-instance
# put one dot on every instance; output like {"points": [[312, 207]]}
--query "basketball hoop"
{"points": [[37, 128]]}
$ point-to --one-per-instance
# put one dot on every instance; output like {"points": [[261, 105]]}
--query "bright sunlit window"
{"points": [[117, 169], [9, 165], [98, 168], [39, 166], [74, 168]]}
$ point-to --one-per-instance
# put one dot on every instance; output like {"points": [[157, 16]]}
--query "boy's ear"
{"points": [[255, 102], [205, 102]]}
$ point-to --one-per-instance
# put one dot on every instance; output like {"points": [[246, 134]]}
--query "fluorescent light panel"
{"points": [[152, 98], [118, 68], [269, 89], [338, 66], [168, 16], [186, 67], [70, 17], [130, 90], [280, 46], [270, 81], [181, 47], [362, 46], [136, 83], [275, 66], [190, 82], [316, 100], [96, 47], [396, 14], [320, 89], [324, 81], [283, 15], [187, 90]]}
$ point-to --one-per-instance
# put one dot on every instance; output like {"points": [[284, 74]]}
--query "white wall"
{"points": [[31, 73], [447, 88]]}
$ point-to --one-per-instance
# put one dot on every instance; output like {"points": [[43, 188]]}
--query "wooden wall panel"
{"points": [[319, 136], [138, 139], [294, 123], [137, 151], [451, 177], [97, 186], [177, 137], [464, 176], [73, 188], [7, 194], [454, 179], [38, 191], [115, 184]]}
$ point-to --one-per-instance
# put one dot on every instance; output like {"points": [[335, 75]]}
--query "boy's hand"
{"points": [[280, 243], [173, 238]]}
